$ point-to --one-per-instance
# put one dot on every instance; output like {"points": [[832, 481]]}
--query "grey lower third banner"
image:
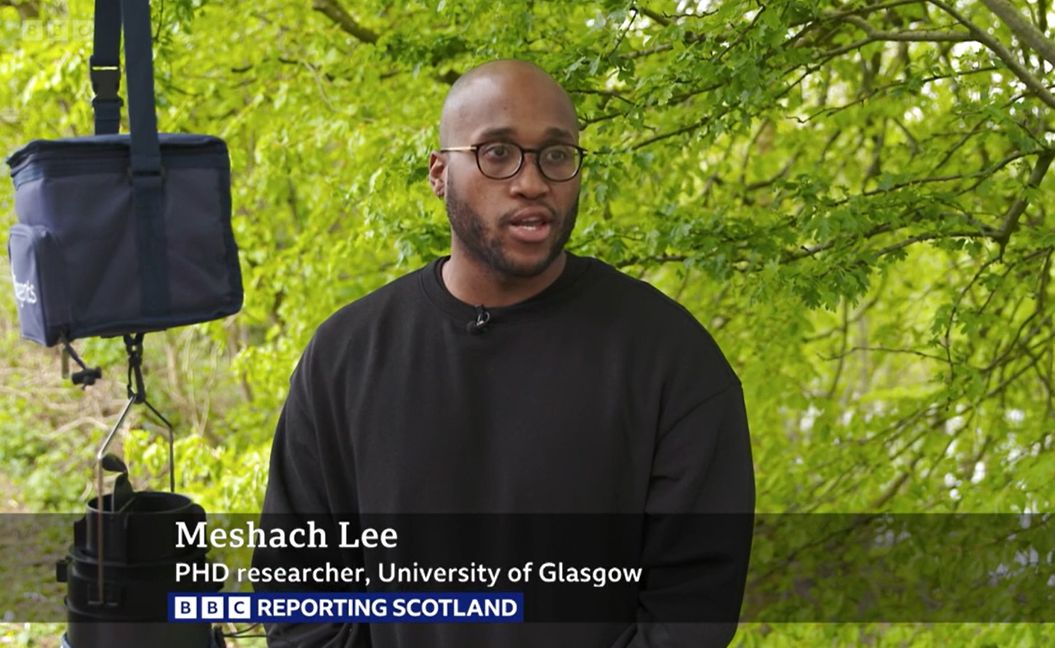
{"points": [[801, 568]]}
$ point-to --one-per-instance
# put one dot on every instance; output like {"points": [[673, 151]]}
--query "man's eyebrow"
{"points": [[552, 133], [496, 132], [559, 133]]}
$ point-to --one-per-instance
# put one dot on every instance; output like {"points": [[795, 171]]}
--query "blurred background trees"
{"points": [[853, 197]]}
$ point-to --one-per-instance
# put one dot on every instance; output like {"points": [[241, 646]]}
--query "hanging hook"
{"points": [[134, 349]]}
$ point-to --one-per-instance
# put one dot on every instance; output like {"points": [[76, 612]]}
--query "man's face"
{"points": [[518, 226], [521, 242]]}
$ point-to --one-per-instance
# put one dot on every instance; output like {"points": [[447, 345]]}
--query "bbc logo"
{"points": [[69, 30], [212, 608]]}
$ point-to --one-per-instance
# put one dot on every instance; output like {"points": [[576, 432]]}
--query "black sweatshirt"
{"points": [[598, 395]]}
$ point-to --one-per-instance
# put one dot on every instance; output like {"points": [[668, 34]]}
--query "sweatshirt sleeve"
{"points": [[699, 512], [297, 491]]}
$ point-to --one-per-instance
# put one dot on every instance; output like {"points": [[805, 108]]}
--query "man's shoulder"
{"points": [[640, 300], [374, 308], [653, 318]]}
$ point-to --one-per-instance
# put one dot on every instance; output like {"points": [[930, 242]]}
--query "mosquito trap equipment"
{"points": [[121, 566], [119, 235]]}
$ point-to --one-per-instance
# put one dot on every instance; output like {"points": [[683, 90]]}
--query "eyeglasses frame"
{"points": [[475, 149]]}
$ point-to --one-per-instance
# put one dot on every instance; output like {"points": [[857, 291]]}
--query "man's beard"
{"points": [[471, 229]]}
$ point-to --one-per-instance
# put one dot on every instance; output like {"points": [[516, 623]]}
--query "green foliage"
{"points": [[851, 215]]}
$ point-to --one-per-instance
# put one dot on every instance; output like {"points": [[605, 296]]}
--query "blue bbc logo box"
{"points": [[211, 608]]}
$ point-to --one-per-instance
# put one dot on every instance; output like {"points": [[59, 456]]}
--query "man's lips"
{"points": [[533, 216], [531, 225]]}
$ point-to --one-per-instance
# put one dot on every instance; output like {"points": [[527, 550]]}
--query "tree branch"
{"points": [[656, 17], [892, 490], [882, 349], [1022, 28], [1019, 70], [1014, 213], [836, 15], [780, 175], [335, 12], [674, 133], [910, 36], [981, 175], [959, 144]]}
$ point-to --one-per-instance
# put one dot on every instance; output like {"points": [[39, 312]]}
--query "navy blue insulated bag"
{"points": [[121, 234]]}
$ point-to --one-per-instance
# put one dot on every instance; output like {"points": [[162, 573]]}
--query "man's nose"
{"points": [[529, 181]]}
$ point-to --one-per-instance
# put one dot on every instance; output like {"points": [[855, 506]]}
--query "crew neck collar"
{"points": [[432, 283]]}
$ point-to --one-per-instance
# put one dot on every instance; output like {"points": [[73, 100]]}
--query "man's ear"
{"points": [[437, 173]]}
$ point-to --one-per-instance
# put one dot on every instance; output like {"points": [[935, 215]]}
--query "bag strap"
{"points": [[104, 67], [105, 73], [145, 150], [147, 179], [139, 70]]}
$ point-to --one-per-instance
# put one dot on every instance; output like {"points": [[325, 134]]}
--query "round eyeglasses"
{"points": [[503, 160]]}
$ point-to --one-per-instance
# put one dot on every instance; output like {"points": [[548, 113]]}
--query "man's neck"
{"points": [[477, 285]]}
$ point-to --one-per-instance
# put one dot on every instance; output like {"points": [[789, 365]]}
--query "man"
{"points": [[515, 377]]}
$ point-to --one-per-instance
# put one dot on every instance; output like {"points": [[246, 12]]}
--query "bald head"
{"points": [[487, 90], [508, 230]]}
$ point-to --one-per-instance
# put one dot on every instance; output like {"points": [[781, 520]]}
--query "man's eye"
{"points": [[556, 155], [497, 151]]}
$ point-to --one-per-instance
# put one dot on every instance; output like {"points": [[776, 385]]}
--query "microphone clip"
{"points": [[477, 326]]}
